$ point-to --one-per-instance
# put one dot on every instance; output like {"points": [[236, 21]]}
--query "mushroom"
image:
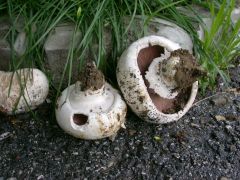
{"points": [[91, 108], [167, 29], [22, 90], [158, 79]]}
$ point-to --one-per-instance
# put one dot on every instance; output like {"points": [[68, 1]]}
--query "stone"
{"points": [[57, 47], [229, 129], [235, 15], [75, 153], [20, 44], [132, 132], [205, 16], [41, 177], [224, 178], [220, 118], [232, 117], [58, 43], [4, 55], [12, 178], [176, 155], [220, 100], [5, 49], [195, 125], [4, 45], [160, 27], [233, 148]]}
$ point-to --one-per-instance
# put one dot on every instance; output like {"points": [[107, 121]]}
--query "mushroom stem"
{"points": [[187, 70], [172, 72], [90, 79]]}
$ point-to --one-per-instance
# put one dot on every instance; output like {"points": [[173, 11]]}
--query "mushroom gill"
{"points": [[145, 58]]}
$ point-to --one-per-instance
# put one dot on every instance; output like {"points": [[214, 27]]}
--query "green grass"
{"points": [[92, 17], [220, 45]]}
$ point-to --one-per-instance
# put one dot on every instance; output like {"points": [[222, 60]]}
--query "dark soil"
{"points": [[91, 78], [198, 146], [188, 71]]}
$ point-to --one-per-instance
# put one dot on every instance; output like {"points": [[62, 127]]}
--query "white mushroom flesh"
{"points": [[161, 75]]}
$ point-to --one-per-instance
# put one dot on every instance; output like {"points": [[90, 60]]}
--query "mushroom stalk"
{"points": [[91, 78], [172, 72]]}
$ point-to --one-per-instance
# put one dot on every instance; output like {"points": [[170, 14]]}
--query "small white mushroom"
{"points": [[148, 74], [91, 108], [22, 90]]}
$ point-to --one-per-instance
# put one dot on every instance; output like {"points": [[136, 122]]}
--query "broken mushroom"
{"points": [[91, 108], [158, 79], [22, 90]]}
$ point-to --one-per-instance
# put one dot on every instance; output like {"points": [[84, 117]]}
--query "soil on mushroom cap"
{"points": [[188, 70], [180, 101]]}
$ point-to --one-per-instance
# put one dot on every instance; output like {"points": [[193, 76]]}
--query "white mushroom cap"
{"points": [[133, 86], [22, 90], [174, 33], [91, 114]]}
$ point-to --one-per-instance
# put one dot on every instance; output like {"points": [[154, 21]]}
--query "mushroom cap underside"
{"points": [[131, 70]]}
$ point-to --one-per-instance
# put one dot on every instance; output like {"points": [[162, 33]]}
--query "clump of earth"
{"points": [[187, 70], [91, 78]]}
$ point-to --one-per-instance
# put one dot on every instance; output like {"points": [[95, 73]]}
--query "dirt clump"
{"points": [[187, 70], [91, 78], [179, 102]]}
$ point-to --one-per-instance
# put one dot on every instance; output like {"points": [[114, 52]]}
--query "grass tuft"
{"points": [[220, 44]]}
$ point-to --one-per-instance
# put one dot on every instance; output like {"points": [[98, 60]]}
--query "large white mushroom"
{"points": [[158, 79], [22, 90], [91, 108]]}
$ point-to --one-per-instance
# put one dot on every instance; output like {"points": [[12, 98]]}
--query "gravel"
{"points": [[196, 147]]}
